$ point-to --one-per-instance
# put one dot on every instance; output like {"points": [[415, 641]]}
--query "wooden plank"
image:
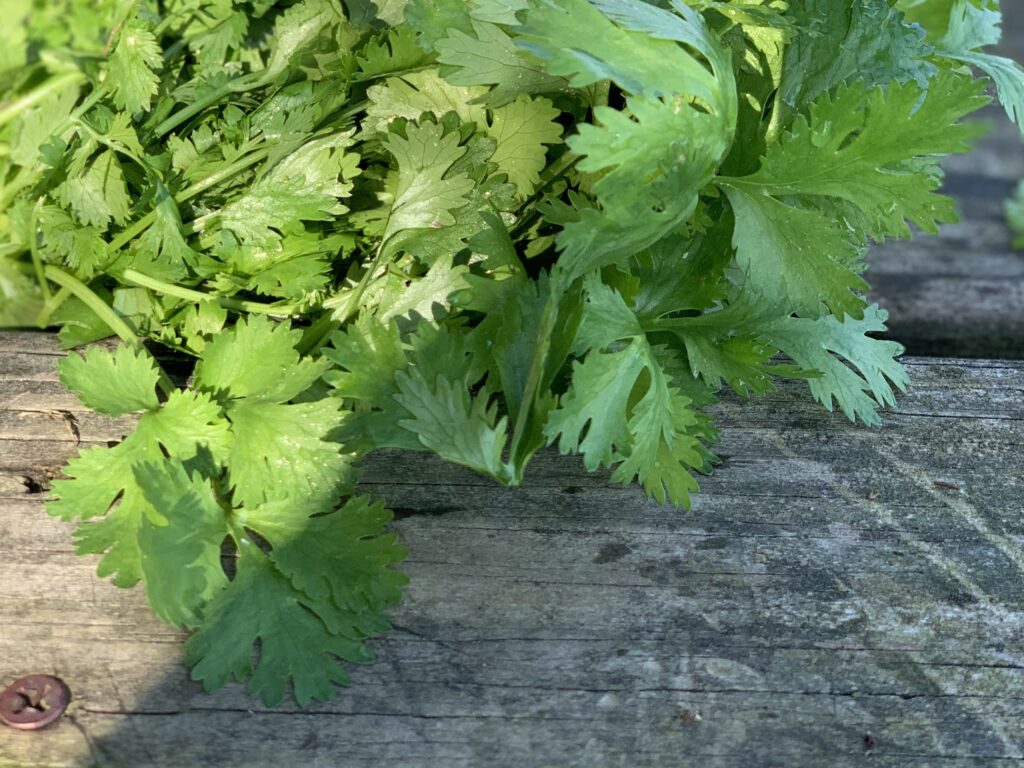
{"points": [[823, 596]]}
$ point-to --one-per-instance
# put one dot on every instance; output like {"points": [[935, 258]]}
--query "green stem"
{"points": [[238, 305], [113, 321], [33, 97], [314, 335], [188, 193], [51, 306], [37, 260], [239, 85], [95, 303]]}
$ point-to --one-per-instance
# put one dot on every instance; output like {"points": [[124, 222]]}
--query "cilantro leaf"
{"points": [[411, 95], [293, 632], [291, 444], [133, 62], [858, 147], [859, 390], [795, 253], [522, 130], [425, 195], [486, 54], [188, 427], [974, 25], [867, 41], [181, 542], [343, 558], [256, 359], [98, 193], [122, 381]]}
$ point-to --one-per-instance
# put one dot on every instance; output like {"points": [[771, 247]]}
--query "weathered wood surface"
{"points": [[962, 293], [823, 604]]}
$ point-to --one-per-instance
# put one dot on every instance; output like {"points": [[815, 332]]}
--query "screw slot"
{"points": [[33, 702]]}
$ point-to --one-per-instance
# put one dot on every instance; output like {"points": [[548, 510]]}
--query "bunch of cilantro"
{"points": [[473, 228]]}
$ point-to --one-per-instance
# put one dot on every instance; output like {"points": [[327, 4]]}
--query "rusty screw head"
{"points": [[33, 702]]}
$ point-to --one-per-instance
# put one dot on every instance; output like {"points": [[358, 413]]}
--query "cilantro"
{"points": [[476, 228]]}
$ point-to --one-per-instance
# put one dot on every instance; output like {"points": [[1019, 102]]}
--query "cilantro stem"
{"points": [[33, 97], [238, 85], [314, 335], [37, 260], [51, 306], [103, 311], [107, 314], [140, 226], [238, 305]]}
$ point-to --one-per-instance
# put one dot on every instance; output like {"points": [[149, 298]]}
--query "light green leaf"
{"points": [[425, 195], [859, 388], [133, 64], [181, 543], [257, 359], [974, 25], [188, 427], [282, 452], [122, 381], [97, 194], [797, 258], [522, 131], [412, 94]]}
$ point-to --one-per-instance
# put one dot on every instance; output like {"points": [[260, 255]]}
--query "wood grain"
{"points": [[823, 596]]}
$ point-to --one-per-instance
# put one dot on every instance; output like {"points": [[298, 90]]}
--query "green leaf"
{"points": [[454, 424], [622, 408], [974, 25], [425, 195], [343, 558], [286, 452], [485, 54], [260, 607], [650, 175], [859, 388], [794, 257], [123, 381], [181, 543], [393, 51], [188, 427], [877, 151], [412, 94], [257, 359], [82, 248], [97, 194], [522, 131], [300, 30], [132, 68], [613, 416], [845, 42], [367, 355]]}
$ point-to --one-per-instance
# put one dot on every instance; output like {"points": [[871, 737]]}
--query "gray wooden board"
{"points": [[822, 596]]}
